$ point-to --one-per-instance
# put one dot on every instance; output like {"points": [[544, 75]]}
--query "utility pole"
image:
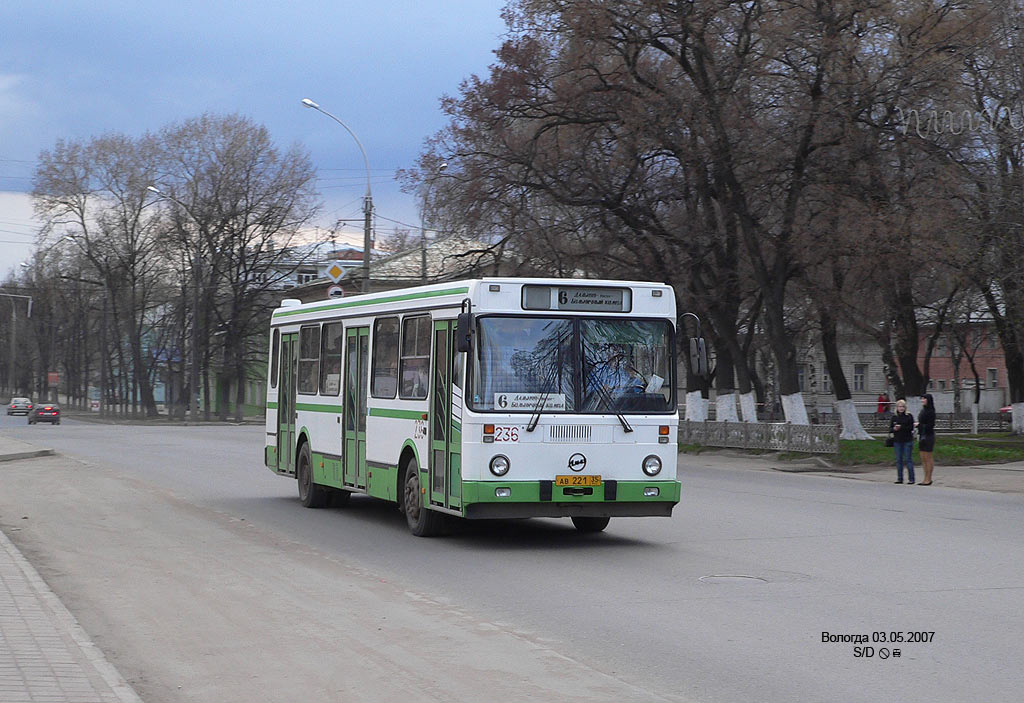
{"points": [[11, 366], [14, 334]]}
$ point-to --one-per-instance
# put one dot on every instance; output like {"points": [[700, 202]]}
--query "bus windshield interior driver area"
{"points": [[488, 398]]}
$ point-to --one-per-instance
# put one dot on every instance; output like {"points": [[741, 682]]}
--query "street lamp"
{"points": [[196, 275], [367, 199], [12, 368], [423, 224]]}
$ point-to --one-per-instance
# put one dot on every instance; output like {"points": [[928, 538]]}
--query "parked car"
{"points": [[1007, 410], [19, 406], [44, 412]]}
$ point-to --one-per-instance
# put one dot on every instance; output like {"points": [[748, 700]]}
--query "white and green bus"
{"points": [[489, 398]]}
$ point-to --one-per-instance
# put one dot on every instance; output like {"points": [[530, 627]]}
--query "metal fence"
{"points": [[815, 439]]}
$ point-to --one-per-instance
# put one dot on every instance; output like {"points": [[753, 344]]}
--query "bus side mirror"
{"points": [[698, 357], [464, 332]]}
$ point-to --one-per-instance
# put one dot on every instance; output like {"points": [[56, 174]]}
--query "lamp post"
{"points": [[104, 363], [423, 224], [367, 199], [196, 275], [11, 367]]}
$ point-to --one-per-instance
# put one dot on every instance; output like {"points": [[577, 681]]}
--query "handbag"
{"points": [[890, 440]]}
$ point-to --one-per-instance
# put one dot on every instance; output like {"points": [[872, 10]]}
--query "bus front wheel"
{"points": [[590, 524], [422, 521], [311, 495]]}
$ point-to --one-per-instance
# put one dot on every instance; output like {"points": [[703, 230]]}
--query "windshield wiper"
{"points": [[626, 427], [548, 387]]}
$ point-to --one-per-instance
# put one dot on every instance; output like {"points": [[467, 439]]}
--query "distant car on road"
{"points": [[44, 412], [19, 406], [1008, 409]]}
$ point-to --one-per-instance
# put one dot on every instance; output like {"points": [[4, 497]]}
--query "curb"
{"points": [[27, 455], [63, 618]]}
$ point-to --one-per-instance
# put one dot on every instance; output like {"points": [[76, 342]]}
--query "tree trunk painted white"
{"points": [[1018, 418], [748, 406], [794, 409], [974, 418], [696, 407], [852, 429], [725, 408]]}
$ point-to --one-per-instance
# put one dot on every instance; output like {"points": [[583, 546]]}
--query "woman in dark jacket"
{"points": [[926, 437], [901, 425]]}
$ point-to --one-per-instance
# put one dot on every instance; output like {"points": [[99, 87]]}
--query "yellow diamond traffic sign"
{"points": [[335, 272]]}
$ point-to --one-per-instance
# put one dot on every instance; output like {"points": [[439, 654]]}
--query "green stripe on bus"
{"points": [[374, 301], [318, 408], [401, 414], [272, 405]]}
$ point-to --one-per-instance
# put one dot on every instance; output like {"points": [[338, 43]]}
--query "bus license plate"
{"points": [[577, 480]]}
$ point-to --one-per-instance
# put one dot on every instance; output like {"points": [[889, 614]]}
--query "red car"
{"points": [[44, 412]]}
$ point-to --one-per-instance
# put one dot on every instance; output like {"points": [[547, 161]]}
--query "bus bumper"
{"points": [[492, 499]]}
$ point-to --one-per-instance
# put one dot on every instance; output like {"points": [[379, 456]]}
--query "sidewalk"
{"points": [[1000, 478], [44, 653]]}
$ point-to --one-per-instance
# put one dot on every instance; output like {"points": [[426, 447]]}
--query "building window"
{"points": [[414, 372], [993, 340], [275, 356], [860, 377], [384, 383], [309, 359], [304, 277], [993, 378], [826, 381], [942, 384], [801, 376], [330, 358]]}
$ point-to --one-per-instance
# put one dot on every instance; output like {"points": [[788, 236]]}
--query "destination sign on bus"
{"points": [[528, 401], [576, 298]]}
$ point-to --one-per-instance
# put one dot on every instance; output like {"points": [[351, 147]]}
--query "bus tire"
{"points": [[311, 494], [422, 521], [590, 524]]}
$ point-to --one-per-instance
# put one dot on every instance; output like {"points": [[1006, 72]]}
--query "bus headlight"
{"points": [[500, 465], [651, 465]]}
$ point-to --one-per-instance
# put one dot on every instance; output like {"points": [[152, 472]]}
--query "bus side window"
{"points": [[384, 380], [309, 359], [414, 371], [275, 357], [330, 358]]}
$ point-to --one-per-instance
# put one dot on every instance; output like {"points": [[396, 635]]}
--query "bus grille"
{"points": [[569, 433]]}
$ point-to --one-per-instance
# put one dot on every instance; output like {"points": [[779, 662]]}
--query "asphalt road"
{"points": [[726, 601]]}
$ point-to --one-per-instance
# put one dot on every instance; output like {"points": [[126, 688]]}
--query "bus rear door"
{"points": [[286, 404]]}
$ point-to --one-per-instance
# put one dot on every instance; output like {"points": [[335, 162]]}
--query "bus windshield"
{"points": [[572, 365]]}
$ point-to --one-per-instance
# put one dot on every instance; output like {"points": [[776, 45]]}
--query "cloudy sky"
{"points": [[74, 69]]}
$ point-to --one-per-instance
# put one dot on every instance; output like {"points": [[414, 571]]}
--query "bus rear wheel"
{"points": [[590, 524], [422, 521], [311, 494]]}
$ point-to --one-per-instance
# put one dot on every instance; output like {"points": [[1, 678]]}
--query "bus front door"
{"points": [[356, 354], [445, 421], [286, 404]]}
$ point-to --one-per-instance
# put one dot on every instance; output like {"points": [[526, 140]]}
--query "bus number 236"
{"points": [[506, 434]]}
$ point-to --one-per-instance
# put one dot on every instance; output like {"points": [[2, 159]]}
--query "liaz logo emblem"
{"points": [[577, 462]]}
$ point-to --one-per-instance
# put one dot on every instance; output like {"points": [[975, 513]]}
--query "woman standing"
{"points": [[926, 437], [901, 425]]}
